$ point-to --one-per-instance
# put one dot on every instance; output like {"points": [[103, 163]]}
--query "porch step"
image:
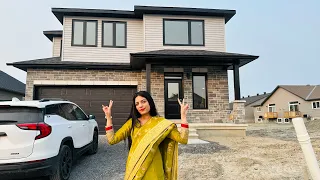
{"points": [[193, 133]]}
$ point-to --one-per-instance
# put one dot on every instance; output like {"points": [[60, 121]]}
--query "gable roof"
{"points": [[306, 92], [139, 11], [11, 84], [252, 100], [51, 34]]}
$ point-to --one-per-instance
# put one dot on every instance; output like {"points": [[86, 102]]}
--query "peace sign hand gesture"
{"points": [[107, 109], [183, 110]]}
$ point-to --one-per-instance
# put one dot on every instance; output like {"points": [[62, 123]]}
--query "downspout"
{"points": [[306, 146]]}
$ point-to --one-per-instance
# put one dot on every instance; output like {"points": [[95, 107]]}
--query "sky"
{"points": [[285, 34]]}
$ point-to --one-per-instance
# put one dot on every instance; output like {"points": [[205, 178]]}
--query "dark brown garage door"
{"points": [[90, 99]]}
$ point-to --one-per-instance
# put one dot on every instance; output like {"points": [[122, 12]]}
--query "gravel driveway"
{"points": [[109, 163]]}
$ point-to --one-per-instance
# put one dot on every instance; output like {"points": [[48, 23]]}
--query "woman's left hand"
{"points": [[183, 110]]}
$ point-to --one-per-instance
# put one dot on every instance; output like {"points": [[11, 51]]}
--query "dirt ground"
{"points": [[268, 152]]}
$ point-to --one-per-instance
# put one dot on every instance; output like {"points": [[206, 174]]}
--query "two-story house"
{"points": [[170, 52], [289, 101]]}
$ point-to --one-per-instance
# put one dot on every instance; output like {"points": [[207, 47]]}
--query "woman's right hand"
{"points": [[107, 109]]}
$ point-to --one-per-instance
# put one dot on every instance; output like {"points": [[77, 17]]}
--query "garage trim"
{"points": [[46, 82]]}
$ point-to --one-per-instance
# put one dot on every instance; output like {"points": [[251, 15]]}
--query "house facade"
{"points": [[110, 54], [10, 87], [287, 102]]}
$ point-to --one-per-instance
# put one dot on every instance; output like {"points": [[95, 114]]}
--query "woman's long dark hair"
{"points": [[134, 114]]}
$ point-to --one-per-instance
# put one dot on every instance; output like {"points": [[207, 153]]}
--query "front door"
{"points": [[173, 91]]}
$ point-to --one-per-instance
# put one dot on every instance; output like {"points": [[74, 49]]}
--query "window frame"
{"points": [[84, 33], [114, 34], [206, 89], [316, 105], [189, 32]]}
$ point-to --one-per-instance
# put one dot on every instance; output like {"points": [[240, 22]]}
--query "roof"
{"points": [[252, 100], [11, 84], [55, 62], [306, 92], [215, 57], [139, 11], [51, 34]]}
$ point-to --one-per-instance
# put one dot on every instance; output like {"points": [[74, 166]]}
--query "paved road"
{"points": [[107, 164]]}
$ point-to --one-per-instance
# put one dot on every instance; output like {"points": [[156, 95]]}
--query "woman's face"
{"points": [[142, 105]]}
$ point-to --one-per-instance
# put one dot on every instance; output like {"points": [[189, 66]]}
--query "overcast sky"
{"points": [[284, 33]]}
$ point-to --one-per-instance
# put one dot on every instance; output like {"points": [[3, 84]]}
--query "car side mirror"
{"points": [[92, 116]]}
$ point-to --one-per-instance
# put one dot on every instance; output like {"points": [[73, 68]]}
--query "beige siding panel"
{"points": [[103, 54], [214, 33], [56, 46], [281, 99]]}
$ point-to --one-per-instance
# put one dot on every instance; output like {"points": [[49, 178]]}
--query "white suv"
{"points": [[43, 138]]}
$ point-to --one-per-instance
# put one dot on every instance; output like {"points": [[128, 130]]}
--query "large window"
{"points": [[199, 89], [84, 33], [183, 32], [114, 34]]}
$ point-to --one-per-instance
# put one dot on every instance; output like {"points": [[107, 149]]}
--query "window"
{"points": [[272, 108], [20, 114], [183, 32], [258, 109], [316, 105], [294, 106], [84, 33], [68, 112], [114, 34], [199, 89], [54, 109], [79, 113]]}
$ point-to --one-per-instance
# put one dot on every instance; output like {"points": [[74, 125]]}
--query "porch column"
{"points": [[148, 77], [236, 81]]}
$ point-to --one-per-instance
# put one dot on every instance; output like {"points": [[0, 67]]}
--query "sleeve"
{"points": [[180, 137], [120, 135]]}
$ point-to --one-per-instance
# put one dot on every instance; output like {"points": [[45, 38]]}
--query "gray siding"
{"points": [[6, 95]]}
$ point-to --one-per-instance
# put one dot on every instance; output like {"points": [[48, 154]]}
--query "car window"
{"points": [[55, 109], [68, 111], [20, 114], [79, 113]]}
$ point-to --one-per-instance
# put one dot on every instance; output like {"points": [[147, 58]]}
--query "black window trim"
{"points": [[189, 32], [114, 34], [84, 33], [206, 89]]}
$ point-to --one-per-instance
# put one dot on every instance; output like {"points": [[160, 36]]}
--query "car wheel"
{"points": [[94, 145], [64, 164]]}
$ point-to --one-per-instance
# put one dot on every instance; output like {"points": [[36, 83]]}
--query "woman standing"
{"points": [[153, 140]]}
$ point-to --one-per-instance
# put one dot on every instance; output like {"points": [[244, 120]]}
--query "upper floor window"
{"points": [[84, 32], [114, 34], [183, 32]]}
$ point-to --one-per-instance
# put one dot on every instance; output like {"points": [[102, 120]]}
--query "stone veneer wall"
{"points": [[218, 94], [78, 75]]}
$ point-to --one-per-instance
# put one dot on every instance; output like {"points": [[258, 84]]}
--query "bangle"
{"points": [[107, 118], [185, 125], [108, 128]]}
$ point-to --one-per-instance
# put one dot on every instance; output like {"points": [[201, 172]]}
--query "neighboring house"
{"points": [[110, 54], [10, 87], [248, 105], [289, 101]]}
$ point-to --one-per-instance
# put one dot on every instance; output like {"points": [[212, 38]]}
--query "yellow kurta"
{"points": [[156, 160]]}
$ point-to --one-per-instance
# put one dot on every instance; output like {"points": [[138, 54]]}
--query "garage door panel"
{"points": [[90, 99]]}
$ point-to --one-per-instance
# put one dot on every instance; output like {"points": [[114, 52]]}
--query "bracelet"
{"points": [[185, 125], [106, 117], [108, 128]]}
